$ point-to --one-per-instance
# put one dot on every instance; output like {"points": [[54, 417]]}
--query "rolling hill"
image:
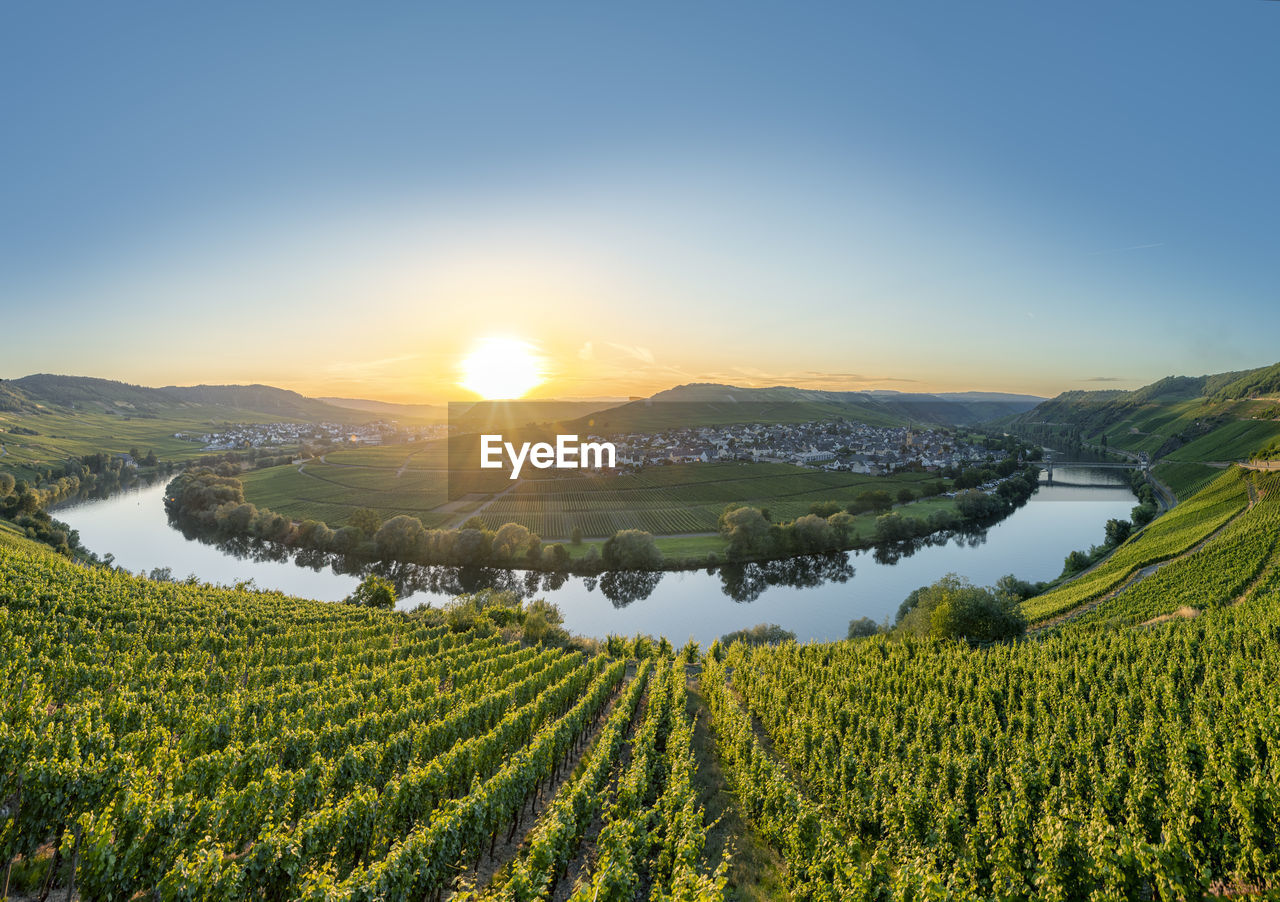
{"points": [[711, 404], [1190, 425]]}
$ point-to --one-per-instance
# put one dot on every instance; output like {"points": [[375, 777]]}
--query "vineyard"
{"points": [[180, 742], [1173, 534], [1104, 764], [668, 500], [683, 498]]}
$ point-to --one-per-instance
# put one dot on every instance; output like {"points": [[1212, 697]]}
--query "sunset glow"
{"points": [[501, 369]]}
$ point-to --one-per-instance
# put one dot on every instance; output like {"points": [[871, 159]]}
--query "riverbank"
{"points": [[814, 596]]}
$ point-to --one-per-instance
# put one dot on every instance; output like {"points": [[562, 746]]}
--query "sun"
{"points": [[501, 369]]}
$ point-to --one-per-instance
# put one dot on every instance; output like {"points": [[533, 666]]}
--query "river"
{"points": [[815, 598]]}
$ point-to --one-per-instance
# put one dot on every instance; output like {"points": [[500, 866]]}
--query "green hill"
{"points": [[265, 399], [713, 404], [1195, 421]]}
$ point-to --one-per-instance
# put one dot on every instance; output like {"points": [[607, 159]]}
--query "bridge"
{"points": [[1049, 463]]}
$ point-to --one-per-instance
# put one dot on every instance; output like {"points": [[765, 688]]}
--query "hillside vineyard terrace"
{"points": [[565, 454]]}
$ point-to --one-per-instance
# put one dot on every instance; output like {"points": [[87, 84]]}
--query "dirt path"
{"points": [[506, 849], [467, 515], [1136, 577], [583, 864], [756, 871]]}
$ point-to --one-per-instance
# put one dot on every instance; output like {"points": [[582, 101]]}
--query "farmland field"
{"points": [[324, 748], [62, 433], [1185, 478], [669, 500]]}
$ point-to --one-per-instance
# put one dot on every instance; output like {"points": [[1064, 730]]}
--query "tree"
{"points": [[373, 592], [746, 529], [400, 538], [954, 608], [1118, 531], [812, 533], [877, 500], [471, 547], [1143, 514], [894, 528], [825, 509], [7, 482], [1075, 562], [906, 496], [555, 556], [366, 520], [576, 536], [862, 627], [631, 549], [841, 527], [512, 541]]}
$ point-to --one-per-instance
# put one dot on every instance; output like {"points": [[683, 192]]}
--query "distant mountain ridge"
{"points": [[710, 403], [42, 390]]}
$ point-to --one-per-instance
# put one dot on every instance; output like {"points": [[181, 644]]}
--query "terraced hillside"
{"points": [[1190, 427]]}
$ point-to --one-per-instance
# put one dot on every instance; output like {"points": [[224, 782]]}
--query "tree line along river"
{"points": [[814, 597]]}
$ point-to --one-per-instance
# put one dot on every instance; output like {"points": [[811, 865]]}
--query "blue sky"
{"points": [[344, 198]]}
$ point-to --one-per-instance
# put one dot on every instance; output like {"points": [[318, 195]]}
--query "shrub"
{"points": [[374, 592]]}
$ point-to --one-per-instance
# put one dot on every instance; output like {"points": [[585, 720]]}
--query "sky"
{"points": [[350, 199]]}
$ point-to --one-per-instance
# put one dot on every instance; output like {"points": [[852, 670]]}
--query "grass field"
{"points": [[62, 433], [683, 498]]}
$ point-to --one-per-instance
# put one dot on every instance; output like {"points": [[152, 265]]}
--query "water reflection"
{"points": [[747, 582], [743, 582], [815, 596]]}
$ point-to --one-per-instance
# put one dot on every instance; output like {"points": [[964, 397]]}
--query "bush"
{"points": [[631, 549], [760, 634], [954, 608], [374, 592]]}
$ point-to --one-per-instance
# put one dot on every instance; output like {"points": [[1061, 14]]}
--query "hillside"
{"points": [[712, 404], [297, 749], [266, 399], [46, 419], [1189, 425]]}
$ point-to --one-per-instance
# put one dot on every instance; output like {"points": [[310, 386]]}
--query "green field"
{"points": [[670, 500], [65, 433]]}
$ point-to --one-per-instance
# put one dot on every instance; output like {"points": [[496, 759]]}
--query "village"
{"points": [[829, 445], [283, 435]]}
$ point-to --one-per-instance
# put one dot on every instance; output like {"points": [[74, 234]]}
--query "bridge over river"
{"points": [[1049, 464]]}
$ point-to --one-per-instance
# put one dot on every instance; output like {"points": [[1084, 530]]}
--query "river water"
{"points": [[815, 597]]}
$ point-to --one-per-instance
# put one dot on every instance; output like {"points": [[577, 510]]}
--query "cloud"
{"points": [[353, 368], [1132, 247], [644, 355], [587, 352], [1105, 379]]}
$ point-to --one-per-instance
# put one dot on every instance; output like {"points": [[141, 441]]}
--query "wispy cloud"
{"points": [[1132, 247], [644, 355], [353, 368], [1105, 379]]}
